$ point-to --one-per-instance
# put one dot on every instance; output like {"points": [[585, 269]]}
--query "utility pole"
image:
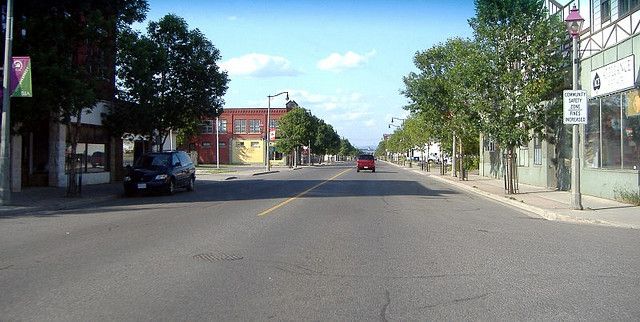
{"points": [[5, 137], [217, 142]]}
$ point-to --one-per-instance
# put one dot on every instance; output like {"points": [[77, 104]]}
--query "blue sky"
{"points": [[343, 60]]}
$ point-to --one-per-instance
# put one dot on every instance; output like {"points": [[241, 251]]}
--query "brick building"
{"points": [[241, 134]]}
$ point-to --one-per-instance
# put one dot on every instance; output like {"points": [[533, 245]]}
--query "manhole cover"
{"points": [[217, 257]]}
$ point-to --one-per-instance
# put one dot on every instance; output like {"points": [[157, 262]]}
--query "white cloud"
{"points": [[337, 62], [232, 18], [370, 123], [259, 65], [338, 102]]}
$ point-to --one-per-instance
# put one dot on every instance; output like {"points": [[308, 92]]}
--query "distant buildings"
{"points": [[241, 136]]}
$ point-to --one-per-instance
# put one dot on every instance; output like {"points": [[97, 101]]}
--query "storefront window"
{"points": [[631, 130], [592, 135], [89, 157], [611, 132]]}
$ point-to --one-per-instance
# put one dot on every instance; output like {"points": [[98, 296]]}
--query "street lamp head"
{"points": [[287, 97], [574, 22]]}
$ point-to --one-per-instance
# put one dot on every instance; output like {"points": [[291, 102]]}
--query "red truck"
{"points": [[366, 162]]}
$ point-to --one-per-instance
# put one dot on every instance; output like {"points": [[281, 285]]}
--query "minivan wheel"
{"points": [[192, 184], [171, 189]]}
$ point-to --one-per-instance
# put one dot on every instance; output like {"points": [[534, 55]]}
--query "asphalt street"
{"points": [[319, 243]]}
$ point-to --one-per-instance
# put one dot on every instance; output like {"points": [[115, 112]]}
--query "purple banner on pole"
{"points": [[20, 77]]}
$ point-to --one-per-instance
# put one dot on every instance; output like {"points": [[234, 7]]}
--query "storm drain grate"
{"points": [[217, 257]]}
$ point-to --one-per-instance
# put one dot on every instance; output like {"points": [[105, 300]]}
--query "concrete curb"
{"points": [[540, 212], [265, 172], [70, 205]]}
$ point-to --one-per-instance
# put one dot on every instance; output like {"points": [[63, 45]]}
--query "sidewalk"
{"points": [[549, 204], [39, 199]]}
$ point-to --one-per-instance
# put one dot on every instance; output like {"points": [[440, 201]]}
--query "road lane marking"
{"points": [[300, 194]]}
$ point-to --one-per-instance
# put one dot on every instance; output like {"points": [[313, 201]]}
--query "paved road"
{"points": [[322, 243]]}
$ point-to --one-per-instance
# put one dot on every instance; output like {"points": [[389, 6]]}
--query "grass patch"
{"points": [[214, 170], [627, 196]]}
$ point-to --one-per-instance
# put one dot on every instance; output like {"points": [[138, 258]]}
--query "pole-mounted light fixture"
{"points": [[268, 127], [574, 22], [574, 25]]}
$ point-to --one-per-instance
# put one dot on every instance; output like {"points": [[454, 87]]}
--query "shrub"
{"points": [[626, 196]]}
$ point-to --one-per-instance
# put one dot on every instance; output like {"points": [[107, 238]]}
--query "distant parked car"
{"points": [[366, 162], [160, 172]]}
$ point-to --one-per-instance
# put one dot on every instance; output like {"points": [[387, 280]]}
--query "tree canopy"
{"points": [[299, 127], [168, 79]]}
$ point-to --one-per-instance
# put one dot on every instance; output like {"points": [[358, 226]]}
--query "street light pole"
{"points": [[217, 142], [574, 25], [268, 127], [5, 136]]}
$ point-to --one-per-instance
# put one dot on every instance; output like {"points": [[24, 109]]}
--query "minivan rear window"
{"points": [[152, 161], [366, 157]]}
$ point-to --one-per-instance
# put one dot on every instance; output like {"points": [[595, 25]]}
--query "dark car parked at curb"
{"points": [[366, 162], [160, 172]]}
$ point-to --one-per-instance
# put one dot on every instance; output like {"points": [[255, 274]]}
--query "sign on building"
{"points": [[574, 104], [614, 77]]}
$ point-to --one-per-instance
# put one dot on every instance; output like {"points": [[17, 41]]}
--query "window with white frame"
{"points": [[206, 127], [254, 126], [605, 10], [537, 150], [489, 145], [523, 156], [240, 126], [222, 126], [627, 6]]}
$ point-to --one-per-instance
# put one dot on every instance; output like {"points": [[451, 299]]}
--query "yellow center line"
{"points": [[300, 194]]}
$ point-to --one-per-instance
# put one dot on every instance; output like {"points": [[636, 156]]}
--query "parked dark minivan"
{"points": [[160, 172]]}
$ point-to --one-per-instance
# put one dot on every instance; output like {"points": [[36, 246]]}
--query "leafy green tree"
{"points": [[444, 93], [327, 140], [169, 77], [381, 149], [296, 128], [347, 149], [522, 47]]}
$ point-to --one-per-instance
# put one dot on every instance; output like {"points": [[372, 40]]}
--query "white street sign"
{"points": [[574, 106], [272, 135]]}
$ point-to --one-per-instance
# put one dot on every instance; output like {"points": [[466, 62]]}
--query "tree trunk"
{"points": [[454, 159], [461, 161], [295, 157], [74, 188], [510, 172]]}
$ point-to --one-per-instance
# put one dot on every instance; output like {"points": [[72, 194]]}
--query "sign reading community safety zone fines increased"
{"points": [[575, 107]]}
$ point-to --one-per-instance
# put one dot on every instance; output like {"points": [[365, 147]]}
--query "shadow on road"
{"points": [[254, 189]]}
